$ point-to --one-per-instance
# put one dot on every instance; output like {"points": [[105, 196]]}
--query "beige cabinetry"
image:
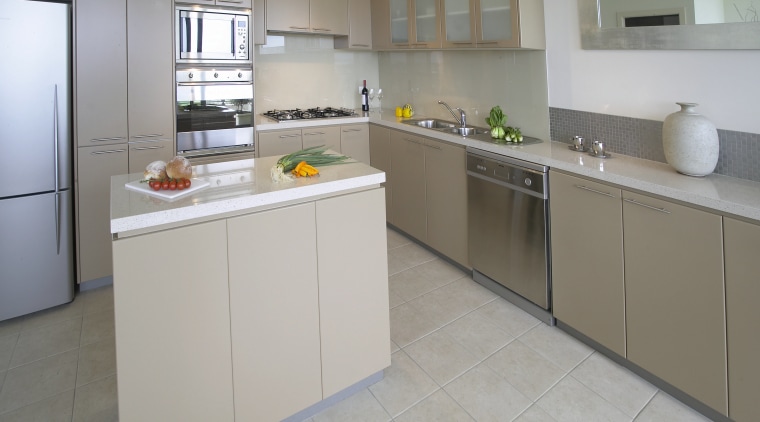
{"points": [[354, 142], [410, 23], [458, 23], [224, 3], [328, 17], [322, 135], [359, 27], [274, 313], [741, 245], [381, 24], [278, 142], [675, 319], [180, 310], [588, 289], [408, 180], [132, 48], [96, 166], [380, 158], [429, 196], [353, 299]]}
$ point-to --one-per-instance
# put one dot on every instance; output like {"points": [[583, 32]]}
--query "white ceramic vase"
{"points": [[690, 141]]}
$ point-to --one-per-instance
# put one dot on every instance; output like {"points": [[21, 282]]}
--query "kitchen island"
{"points": [[249, 299]]}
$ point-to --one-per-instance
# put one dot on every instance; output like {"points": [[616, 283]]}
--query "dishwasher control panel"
{"points": [[513, 175]]}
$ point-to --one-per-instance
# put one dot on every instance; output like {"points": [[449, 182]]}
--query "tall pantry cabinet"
{"points": [[124, 110]]}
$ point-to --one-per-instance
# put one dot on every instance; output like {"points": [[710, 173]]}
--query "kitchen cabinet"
{"points": [[224, 3], [588, 287], [380, 158], [741, 243], [326, 17], [359, 27], [143, 153], [259, 22], [277, 369], [322, 135], [278, 142], [675, 318], [429, 196], [446, 199], [381, 24], [408, 208], [410, 23], [458, 23], [354, 142], [96, 166], [182, 311], [101, 72]]}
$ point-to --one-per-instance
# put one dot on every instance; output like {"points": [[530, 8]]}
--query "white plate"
{"points": [[168, 195]]}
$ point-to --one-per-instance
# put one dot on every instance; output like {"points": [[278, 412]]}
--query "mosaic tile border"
{"points": [[641, 138]]}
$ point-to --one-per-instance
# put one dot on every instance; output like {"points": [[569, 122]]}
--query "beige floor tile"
{"points": [[439, 408], [441, 357], [54, 315], [7, 344], [529, 372], [486, 396], [97, 300], [394, 300], [35, 381], [478, 335], [96, 361], [394, 347], [97, 326], [452, 301], [424, 278], [57, 408], [535, 414], [11, 326], [404, 385], [396, 239], [508, 317], [663, 407], [408, 324], [48, 340], [362, 406], [617, 385], [97, 401], [571, 401], [407, 256], [557, 346]]}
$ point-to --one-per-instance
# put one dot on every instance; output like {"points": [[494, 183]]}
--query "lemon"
{"points": [[407, 110], [399, 112]]}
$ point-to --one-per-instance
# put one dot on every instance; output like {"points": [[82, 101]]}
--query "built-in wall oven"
{"points": [[214, 112]]}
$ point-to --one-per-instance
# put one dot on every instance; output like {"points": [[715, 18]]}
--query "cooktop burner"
{"points": [[311, 113]]}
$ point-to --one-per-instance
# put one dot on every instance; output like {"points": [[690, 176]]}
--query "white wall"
{"points": [[646, 84]]}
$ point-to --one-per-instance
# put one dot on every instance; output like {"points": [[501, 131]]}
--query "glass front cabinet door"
{"points": [[458, 23], [427, 24], [400, 25], [499, 24]]}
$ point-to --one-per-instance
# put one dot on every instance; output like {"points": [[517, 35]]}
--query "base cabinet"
{"points": [[741, 244], [408, 180], [354, 142], [588, 288], [351, 140], [675, 318], [380, 158]]}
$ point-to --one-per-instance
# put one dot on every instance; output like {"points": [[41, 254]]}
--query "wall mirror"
{"points": [[670, 24]]}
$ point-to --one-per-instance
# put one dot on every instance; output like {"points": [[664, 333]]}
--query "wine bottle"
{"points": [[365, 97]]}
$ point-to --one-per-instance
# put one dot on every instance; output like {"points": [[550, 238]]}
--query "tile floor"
{"points": [[459, 353]]}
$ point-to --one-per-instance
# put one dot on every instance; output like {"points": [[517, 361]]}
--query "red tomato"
{"points": [[187, 183], [165, 185], [172, 185], [180, 185], [155, 185]]}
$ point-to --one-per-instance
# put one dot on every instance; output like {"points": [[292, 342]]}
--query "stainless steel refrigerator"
{"points": [[36, 198]]}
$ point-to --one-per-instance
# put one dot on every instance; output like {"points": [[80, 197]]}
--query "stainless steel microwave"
{"points": [[216, 36]]}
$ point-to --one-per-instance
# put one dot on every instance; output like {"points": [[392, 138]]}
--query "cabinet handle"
{"points": [[152, 135], [462, 42], [432, 146], [230, 1], [115, 138], [147, 148], [488, 42], [420, 44], [313, 134], [301, 28], [360, 45], [413, 141], [402, 45], [632, 201], [351, 130], [113, 151], [288, 136], [595, 191], [321, 29]]}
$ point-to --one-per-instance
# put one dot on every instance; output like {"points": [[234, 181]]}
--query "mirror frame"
{"points": [[717, 36]]}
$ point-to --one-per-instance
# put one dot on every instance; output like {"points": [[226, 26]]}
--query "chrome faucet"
{"points": [[461, 119]]}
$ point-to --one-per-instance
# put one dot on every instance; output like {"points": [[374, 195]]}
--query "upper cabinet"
{"points": [[328, 17], [225, 3], [359, 26], [458, 24]]}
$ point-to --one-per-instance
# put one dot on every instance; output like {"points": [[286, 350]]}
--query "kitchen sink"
{"points": [[466, 131], [431, 123]]}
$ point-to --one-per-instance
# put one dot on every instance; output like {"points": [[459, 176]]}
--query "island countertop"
{"points": [[236, 187]]}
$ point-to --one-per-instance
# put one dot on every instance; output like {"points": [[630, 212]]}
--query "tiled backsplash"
{"points": [[739, 151]]}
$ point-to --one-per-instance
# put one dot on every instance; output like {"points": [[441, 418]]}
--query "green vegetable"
{"points": [[513, 134], [496, 120], [314, 156]]}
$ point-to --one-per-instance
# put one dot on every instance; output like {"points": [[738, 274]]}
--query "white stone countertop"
{"points": [[723, 194], [237, 187]]}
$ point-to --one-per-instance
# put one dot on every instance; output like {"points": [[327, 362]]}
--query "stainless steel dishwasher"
{"points": [[508, 226]]}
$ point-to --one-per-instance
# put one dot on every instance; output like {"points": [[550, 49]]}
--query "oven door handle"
{"points": [[213, 83]]}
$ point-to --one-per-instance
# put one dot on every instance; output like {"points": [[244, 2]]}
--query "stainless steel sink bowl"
{"points": [[431, 123], [466, 131]]}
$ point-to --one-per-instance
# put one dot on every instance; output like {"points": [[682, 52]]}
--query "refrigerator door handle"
{"points": [[57, 184]]}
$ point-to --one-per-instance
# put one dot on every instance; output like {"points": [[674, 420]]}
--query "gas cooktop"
{"points": [[310, 113]]}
